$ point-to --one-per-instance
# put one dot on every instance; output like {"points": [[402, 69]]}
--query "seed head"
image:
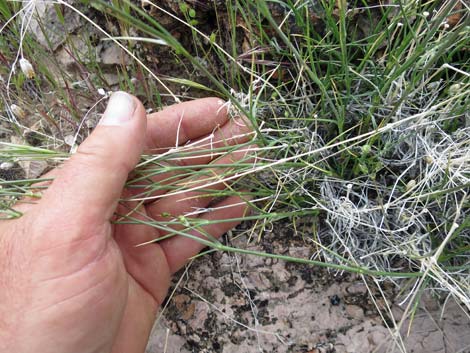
{"points": [[27, 68], [455, 88], [6, 165], [18, 111], [410, 185], [366, 149]]}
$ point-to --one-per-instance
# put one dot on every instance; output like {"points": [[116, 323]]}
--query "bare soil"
{"points": [[237, 303]]}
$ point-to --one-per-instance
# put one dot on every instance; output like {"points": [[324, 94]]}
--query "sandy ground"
{"points": [[236, 303]]}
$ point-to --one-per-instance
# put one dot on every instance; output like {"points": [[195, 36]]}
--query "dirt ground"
{"points": [[236, 303]]}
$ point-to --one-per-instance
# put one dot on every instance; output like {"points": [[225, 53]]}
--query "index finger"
{"points": [[182, 122]]}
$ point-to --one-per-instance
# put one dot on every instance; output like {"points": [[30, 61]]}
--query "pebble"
{"points": [[354, 311]]}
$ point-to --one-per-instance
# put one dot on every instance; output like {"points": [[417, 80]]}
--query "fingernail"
{"points": [[120, 109]]}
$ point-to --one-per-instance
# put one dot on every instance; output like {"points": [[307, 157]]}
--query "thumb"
{"points": [[88, 186]]}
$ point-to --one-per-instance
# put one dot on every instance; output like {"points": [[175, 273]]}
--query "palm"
{"points": [[148, 279]]}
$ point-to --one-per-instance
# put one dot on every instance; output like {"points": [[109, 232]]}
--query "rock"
{"points": [[189, 312], [300, 252], [200, 315], [354, 311], [184, 306], [16, 140], [430, 303], [181, 300], [113, 54], [163, 340], [356, 288], [195, 338], [258, 280], [377, 337], [75, 50], [111, 79], [274, 309], [46, 26], [280, 273], [33, 169], [181, 328], [70, 140], [91, 122]]}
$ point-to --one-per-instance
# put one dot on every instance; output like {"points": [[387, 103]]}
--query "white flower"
{"points": [[27, 68]]}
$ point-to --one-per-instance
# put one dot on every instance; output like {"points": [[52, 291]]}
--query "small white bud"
{"points": [[411, 184], [455, 88], [69, 140], [399, 24], [6, 165], [101, 92], [17, 111], [425, 14], [90, 123], [27, 68], [428, 159], [366, 149]]}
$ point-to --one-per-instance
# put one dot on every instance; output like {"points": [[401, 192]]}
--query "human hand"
{"points": [[70, 279]]}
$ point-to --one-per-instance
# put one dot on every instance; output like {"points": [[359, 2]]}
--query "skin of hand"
{"points": [[73, 281]]}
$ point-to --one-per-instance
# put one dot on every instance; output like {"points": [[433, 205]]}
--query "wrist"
{"points": [[13, 291]]}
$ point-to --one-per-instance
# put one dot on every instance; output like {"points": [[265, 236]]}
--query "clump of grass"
{"points": [[360, 113]]}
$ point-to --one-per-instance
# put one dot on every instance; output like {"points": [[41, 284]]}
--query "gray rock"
{"points": [[46, 26], [68, 57], [113, 54], [283, 313], [354, 311], [33, 169], [163, 340]]}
